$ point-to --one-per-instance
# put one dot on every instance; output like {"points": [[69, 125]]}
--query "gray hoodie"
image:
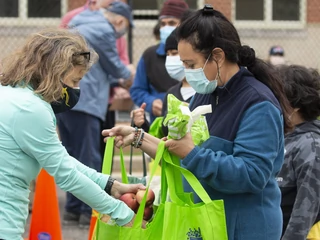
{"points": [[299, 181]]}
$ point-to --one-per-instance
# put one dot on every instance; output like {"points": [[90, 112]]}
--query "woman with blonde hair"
{"points": [[38, 80]]}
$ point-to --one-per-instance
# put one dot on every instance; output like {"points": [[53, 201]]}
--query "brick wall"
{"points": [[313, 11], [223, 6], [72, 4]]}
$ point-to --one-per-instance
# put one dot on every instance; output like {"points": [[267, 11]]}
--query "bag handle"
{"points": [[108, 156], [138, 220], [106, 168], [192, 180], [172, 175]]}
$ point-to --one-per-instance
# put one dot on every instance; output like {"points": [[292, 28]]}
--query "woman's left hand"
{"points": [[118, 188], [181, 147]]}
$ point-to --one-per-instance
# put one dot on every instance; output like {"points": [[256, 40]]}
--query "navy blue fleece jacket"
{"points": [[240, 160]]}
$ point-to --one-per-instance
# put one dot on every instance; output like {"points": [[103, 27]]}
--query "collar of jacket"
{"points": [[234, 83], [161, 50]]}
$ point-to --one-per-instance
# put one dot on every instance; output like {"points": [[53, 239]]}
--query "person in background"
{"points": [[183, 91], [116, 91], [95, 5], [29, 91], [80, 127], [299, 176], [276, 56], [244, 153], [156, 31], [152, 81]]}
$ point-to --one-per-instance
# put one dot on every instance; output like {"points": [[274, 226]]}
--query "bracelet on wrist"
{"points": [[138, 137], [109, 185], [139, 143]]}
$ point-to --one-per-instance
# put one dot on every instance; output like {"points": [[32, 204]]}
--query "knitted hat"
{"points": [[171, 42], [173, 8]]}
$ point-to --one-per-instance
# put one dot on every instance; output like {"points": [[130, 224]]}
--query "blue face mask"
{"points": [[165, 32], [175, 67], [198, 80]]}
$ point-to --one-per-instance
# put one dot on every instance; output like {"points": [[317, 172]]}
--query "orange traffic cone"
{"points": [[45, 220], [93, 222]]}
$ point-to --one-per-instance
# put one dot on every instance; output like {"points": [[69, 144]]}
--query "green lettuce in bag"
{"points": [[180, 120]]}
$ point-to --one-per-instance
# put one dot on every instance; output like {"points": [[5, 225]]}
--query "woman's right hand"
{"points": [[124, 135], [138, 115]]}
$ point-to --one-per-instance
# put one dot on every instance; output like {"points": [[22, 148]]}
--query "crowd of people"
{"points": [[263, 154]]}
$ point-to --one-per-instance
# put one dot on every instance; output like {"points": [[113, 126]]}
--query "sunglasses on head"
{"points": [[86, 55]]}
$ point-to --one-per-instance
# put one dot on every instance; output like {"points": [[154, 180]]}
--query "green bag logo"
{"points": [[194, 234]]}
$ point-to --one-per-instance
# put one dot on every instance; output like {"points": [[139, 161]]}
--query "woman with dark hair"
{"points": [[241, 159], [299, 177]]}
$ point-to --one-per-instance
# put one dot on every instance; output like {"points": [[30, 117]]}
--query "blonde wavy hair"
{"points": [[44, 60]]}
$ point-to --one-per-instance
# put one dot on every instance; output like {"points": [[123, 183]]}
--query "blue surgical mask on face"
{"points": [[165, 32], [198, 80], [175, 67]]}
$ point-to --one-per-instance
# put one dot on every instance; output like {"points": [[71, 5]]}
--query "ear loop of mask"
{"points": [[206, 62], [218, 72], [65, 93], [219, 78]]}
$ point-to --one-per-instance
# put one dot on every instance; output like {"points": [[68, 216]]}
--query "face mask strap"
{"points": [[206, 61], [65, 93]]}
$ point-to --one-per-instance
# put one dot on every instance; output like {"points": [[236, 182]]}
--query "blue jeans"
{"points": [[80, 134]]}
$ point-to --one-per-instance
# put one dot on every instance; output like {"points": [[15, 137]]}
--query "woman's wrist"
{"points": [[109, 186], [137, 137], [114, 191]]}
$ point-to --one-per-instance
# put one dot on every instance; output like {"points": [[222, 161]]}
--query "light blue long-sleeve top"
{"points": [[29, 142]]}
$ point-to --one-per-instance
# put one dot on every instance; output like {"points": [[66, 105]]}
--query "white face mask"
{"points": [[198, 80], [175, 67]]}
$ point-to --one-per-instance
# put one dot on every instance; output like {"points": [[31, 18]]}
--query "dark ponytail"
{"points": [[207, 29], [268, 75]]}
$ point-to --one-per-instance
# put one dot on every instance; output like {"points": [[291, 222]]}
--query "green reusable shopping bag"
{"points": [[156, 128], [178, 219], [183, 219], [153, 229]]}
